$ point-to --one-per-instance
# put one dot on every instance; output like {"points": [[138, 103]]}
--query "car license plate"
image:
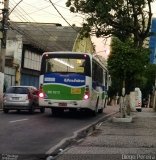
{"points": [[15, 98], [62, 104], [75, 90]]}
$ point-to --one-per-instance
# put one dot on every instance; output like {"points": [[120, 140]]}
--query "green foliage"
{"points": [[115, 87], [120, 18], [130, 22], [149, 77], [126, 62]]}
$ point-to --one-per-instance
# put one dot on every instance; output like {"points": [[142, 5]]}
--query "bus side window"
{"points": [[94, 65], [100, 75], [49, 66], [87, 67], [97, 75]]}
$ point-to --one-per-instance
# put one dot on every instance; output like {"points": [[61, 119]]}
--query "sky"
{"points": [[43, 11]]}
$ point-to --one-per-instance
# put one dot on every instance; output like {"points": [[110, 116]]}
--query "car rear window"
{"points": [[17, 90]]}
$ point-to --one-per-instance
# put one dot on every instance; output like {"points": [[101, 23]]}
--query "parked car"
{"points": [[138, 99], [21, 98], [145, 102]]}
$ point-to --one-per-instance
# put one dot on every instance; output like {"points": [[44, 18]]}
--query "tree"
{"points": [[149, 77], [127, 63], [120, 18]]}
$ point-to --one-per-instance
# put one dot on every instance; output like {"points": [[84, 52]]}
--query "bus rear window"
{"points": [[67, 64]]}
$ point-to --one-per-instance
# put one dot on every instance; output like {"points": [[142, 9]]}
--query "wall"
{"points": [[13, 59], [83, 45]]}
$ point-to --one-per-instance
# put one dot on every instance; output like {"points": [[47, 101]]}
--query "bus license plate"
{"points": [[76, 91], [62, 104]]}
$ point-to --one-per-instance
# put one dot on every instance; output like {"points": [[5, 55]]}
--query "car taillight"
{"points": [[139, 103], [29, 96], [86, 93], [41, 95]]}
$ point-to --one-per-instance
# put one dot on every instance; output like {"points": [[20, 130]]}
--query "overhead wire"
{"points": [[47, 7], [58, 5], [40, 27], [62, 16], [18, 30], [26, 12], [21, 14], [15, 6], [40, 9], [26, 20], [24, 33], [77, 14]]}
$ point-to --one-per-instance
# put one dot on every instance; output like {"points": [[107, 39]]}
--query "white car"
{"points": [[138, 99], [21, 98]]}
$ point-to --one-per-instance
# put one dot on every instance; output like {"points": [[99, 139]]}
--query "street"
{"points": [[23, 133]]}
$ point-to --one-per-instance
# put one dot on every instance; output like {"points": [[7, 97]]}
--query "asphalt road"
{"points": [[23, 133]]}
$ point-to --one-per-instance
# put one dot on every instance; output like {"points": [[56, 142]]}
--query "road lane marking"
{"points": [[19, 120]]}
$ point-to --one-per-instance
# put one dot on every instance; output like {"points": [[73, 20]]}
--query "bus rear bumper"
{"points": [[85, 104]]}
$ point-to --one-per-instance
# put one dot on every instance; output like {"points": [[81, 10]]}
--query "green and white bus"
{"points": [[74, 81]]}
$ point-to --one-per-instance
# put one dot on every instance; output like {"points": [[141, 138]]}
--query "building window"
{"points": [[32, 60]]}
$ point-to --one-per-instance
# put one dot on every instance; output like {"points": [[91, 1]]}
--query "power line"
{"points": [[39, 9], [43, 30], [58, 5], [30, 37], [62, 16], [15, 6]]}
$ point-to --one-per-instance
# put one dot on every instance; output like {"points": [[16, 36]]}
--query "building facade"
{"points": [[152, 42], [26, 43]]}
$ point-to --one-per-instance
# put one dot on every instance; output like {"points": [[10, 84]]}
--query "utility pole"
{"points": [[4, 28]]}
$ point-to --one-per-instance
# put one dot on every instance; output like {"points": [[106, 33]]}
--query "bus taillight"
{"points": [[86, 93], [41, 95], [86, 96]]}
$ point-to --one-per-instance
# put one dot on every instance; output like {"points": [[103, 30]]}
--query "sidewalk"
{"points": [[118, 141]]}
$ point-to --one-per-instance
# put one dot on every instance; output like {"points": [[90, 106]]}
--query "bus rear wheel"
{"points": [[42, 110], [100, 110], [56, 111], [96, 111]]}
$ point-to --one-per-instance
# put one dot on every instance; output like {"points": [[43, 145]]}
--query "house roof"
{"points": [[47, 36]]}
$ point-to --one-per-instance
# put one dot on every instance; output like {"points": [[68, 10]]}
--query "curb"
{"points": [[77, 137], [122, 120]]}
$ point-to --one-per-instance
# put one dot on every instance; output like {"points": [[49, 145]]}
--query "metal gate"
{"points": [[29, 80]]}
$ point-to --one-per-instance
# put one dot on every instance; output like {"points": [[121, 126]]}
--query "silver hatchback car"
{"points": [[21, 98]]}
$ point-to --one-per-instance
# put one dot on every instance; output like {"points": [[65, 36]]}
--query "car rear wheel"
{"points": [[42, 110], [100, 110], [31, 110], [5, 110], [18, 110], [57, 111], [139, 110]]}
